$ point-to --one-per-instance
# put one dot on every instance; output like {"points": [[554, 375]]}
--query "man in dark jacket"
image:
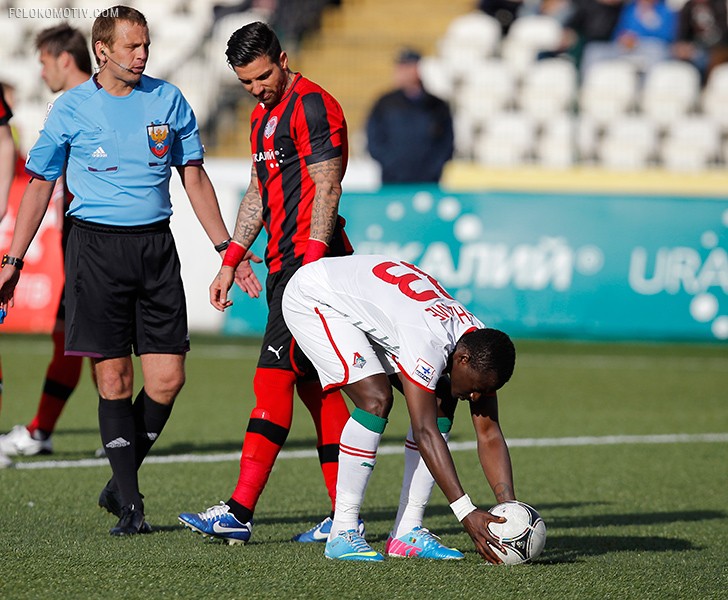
{"points": [[410, 131]]}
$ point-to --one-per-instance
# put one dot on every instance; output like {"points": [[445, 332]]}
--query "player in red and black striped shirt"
{"points": [[7, 154], [7, 170], [299, 154]]}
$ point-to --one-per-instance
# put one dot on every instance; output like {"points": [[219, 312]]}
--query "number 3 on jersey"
{"points": [[404, 281]]}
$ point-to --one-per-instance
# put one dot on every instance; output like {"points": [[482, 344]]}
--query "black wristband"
{"points": [[222, 246], [11, 260]]}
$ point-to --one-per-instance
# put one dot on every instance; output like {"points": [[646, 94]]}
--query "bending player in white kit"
{"points": [[360, 319]]}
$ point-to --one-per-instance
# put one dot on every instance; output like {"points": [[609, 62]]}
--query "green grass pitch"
{"points": [[643, 516]]}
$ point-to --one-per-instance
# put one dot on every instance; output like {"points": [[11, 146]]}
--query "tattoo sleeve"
{"points": [[326, 177], [250, 214]]}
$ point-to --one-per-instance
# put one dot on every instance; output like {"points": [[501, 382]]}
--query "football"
{"points": [[523, 535]]}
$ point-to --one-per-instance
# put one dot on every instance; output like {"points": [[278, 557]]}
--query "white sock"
{"points": [[417, 485], [357, 458]]}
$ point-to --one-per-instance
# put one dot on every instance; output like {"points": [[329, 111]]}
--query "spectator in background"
{"points": [[557, 9], [702, 37], [644, 35], [410, 131], [588, 21], [505, 11], [66, 63]]}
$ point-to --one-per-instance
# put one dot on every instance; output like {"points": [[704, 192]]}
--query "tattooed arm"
{"points": [[250, 214], [492, 449], [326, 176], [247, 227]]}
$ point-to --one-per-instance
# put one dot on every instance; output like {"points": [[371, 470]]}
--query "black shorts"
{"points": [[124, 291], [279, 350], [61, 312]]}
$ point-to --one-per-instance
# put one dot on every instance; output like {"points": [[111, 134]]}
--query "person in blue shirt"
{"points": [[120, 134], [644, 34]]}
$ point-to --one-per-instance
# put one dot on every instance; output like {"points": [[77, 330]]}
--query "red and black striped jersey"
{"points": [[5, 112], [306, 127]]}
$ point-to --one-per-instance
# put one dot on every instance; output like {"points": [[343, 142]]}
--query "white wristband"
{"points": [[462, 507]]}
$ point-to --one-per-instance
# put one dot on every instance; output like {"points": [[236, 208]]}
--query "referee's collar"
{"points": [[95, 78]]}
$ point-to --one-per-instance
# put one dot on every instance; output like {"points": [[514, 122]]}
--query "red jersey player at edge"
{"points": [[299, 151]]}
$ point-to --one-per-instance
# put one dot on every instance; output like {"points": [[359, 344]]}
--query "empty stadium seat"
{"points": [[587, 137], [527, 36], [468, 39], [609, 90], [487, 89], [556, 146], [691, 144], [629, 143], [671, 90], [437, 78], [549, 88], [715, 96], [507, 140]]}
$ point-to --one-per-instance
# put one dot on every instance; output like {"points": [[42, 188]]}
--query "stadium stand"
{"points": [[616, 117]]}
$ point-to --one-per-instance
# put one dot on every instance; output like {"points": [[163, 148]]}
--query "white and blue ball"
{"points": [[523, 535]]}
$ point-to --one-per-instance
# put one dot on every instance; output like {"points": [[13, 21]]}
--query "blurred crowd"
{"points": [[645, 31]]}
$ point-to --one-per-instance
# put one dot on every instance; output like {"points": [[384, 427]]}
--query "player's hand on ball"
{"points": [[476, 524]]}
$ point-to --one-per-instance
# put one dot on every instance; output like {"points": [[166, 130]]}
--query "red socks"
{"points": [[61, 379], [329, 414], [267, 430]]}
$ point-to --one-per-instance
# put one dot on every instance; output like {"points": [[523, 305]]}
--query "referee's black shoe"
{"points": [[131, 522], [109, 499]]}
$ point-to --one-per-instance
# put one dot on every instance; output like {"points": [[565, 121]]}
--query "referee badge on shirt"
{"points": [[158, 138]]}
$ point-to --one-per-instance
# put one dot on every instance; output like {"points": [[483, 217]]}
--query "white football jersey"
{"points": [[399, 307]]}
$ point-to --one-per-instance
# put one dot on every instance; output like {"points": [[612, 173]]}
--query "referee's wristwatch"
{"points": [[11, 260], [222, 246]]}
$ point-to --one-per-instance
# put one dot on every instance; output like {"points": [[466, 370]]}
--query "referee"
{"points": [[121, 133]]}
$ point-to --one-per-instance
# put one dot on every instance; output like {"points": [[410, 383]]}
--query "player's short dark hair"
{"points": [[104, 27], [64, 38], [250, 42], [490, 350]]}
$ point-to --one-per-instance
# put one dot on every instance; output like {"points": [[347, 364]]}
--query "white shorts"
{"points": [[341, 352]]}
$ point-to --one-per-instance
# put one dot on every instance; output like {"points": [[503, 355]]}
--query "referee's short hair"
{"points": [[104, 27], [251, 42], [64, 38]]}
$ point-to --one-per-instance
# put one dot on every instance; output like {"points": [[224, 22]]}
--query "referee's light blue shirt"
{"points": [[120, 150]]}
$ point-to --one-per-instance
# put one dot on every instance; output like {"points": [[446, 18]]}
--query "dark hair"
{"points": [[251, 42], [64, 38], [104, 27], [490, 350]]}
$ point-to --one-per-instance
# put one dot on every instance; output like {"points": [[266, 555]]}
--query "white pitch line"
{"points": [[676, 438]]}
